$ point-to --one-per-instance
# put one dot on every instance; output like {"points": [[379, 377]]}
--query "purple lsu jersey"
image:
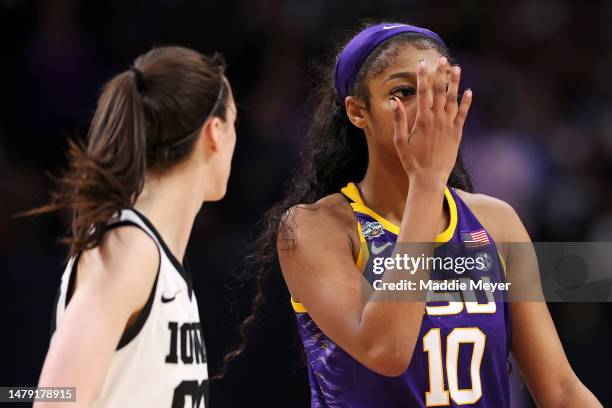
{"points": [[461, 355]]}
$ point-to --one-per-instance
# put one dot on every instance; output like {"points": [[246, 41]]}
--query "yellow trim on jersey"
{"points": [[388, 225], [364, 254], [448, 233], [502, 260], [352, 192], [297, 306]]}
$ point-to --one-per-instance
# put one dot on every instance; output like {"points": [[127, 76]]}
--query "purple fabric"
{"points": [[357, 50], [337, 380]]}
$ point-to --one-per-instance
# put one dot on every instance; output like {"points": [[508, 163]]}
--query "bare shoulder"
{"points": [[497, 216], [482, 204], [124, 265], [328, 217]]}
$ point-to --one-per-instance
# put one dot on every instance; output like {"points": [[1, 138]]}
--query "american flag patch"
{"points": [[473, 239]]}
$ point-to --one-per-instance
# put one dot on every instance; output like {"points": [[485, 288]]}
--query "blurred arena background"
{"points": [[539, 136]]}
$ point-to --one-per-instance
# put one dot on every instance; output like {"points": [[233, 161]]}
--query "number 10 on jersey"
{"points": [[437, 395]]}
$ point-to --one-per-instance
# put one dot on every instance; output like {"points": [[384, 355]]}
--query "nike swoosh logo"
{"points": [[390, 27], [168, 299], [377, 250]]}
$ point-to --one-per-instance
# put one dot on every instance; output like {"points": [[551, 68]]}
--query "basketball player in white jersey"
{"points": [[126, 327]]}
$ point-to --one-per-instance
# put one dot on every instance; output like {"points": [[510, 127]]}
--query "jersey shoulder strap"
{"points": [[120, 220]]}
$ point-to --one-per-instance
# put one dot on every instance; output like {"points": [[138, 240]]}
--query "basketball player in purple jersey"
{"points": [[381, 166]]}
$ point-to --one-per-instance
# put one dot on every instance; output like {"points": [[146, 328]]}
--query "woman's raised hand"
{"points": [[429, 149]]}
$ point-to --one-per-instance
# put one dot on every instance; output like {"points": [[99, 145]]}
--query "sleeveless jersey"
{"points": [[461, 355], [160, 360]]}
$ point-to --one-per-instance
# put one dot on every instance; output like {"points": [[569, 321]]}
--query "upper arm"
{"points": [[320, 270], [114, 282], [534, 340], [316, 258]]}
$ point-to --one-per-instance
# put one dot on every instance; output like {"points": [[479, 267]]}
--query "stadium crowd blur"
{"points": [[539, 136]]}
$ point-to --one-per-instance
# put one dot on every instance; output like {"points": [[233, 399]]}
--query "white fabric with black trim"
{"points": [[160, 360]]}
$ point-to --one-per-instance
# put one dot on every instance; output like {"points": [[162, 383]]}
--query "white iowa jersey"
{"points": [[160, 360]]}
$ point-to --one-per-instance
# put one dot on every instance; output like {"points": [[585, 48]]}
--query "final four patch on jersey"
{"points": [[373, 229]]}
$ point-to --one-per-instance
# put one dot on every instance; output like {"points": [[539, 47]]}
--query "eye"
{"points": [[403, 92]]}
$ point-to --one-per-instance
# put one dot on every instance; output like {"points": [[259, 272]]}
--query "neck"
{"points": [[171, 202], [384, 189]]}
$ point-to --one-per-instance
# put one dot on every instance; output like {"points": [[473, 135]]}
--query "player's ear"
{"points": [[355, 109], [210, 135]]}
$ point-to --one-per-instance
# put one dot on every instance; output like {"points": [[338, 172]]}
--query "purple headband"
{"points": [[357, 50]]}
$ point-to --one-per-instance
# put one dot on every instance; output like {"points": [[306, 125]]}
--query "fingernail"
{"points": [[468, 92], [456, 70], [393, 104], [443, 60]]}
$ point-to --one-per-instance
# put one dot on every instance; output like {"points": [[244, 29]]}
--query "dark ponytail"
{"points": [[147, 117]]}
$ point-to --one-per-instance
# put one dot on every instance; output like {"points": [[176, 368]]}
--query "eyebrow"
{"points": [[406, 75]]}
